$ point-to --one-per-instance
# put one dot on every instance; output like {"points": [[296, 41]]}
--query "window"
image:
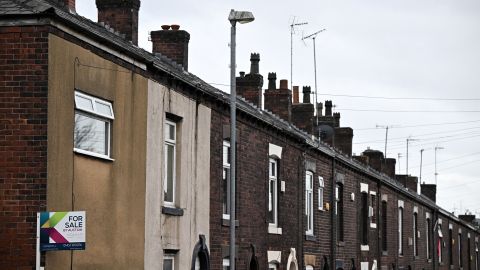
{"points": [[93, 120], [450, 246], [476, 254], [272, 266], [321, 185], [226, 264], [226, 180], [400, 230], [339, 210], [460, 250], [415, 234], [170, 162], [429, 238], [440, 243], [364, 218], [168, 262], [373, 209], [309, 202], [272, 193], [308, 267], [384, 226], [469, 253]]}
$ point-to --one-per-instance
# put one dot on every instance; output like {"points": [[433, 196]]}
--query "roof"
{"points": [[17, 8]]}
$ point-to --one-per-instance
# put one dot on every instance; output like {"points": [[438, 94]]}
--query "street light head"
{"points": [[240, 16]]}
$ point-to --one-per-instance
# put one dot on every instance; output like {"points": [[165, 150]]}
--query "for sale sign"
{"points": [[62, 230]]}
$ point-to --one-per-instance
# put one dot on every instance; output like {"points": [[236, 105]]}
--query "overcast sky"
{"points": [[396, 49]]}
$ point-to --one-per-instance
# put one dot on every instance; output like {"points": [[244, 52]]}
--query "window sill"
{"points": [[92, 154], [341, 244], [364, 248], [384, 253], [373, 225], [171, 211], [310, 237], [452, 266], [226, 223], [274, 229]]}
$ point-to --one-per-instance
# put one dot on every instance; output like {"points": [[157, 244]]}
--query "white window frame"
{"points": [[321, 185], [309, 201], [440, 238], [96, 114], [371, 211], [170, 142], [226, 166], [428, 223], [273, 202], [272, 266], [308, 267], [400, 230], [364, 189], [169, 257], [225, 263]]}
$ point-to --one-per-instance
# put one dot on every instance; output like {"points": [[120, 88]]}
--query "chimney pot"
{"points": [[175, 27], [283, 84], [254, 66], [328, 108], [165, 27], [272, 80], [242, 74], [295, 95], [306, 94]]}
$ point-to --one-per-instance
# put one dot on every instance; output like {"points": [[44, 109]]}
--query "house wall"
{"points": [[23, 141], [112, 192]]}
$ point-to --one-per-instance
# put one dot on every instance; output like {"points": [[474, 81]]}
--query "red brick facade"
{"points": [[23, 141]]}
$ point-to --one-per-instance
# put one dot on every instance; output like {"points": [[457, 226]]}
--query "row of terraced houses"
{"points": [[91, 122]]}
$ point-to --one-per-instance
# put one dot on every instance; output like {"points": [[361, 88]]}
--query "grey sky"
{"points": [[428, 48]]}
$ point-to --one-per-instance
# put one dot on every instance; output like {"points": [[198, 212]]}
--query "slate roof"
{"points": [[162, 63]]}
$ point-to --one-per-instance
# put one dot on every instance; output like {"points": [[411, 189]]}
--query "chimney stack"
{"points": [[122, 16], [67, 4], [319, 109], [250, 86], [295, 95], [429, 191], [302, 113], [172, 44], [328, 108], [278, 101]]}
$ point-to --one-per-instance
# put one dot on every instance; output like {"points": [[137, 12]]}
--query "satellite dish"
{"points": [[326, 132]]}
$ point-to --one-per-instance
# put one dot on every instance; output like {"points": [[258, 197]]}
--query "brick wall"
{"points": [[23, 141]]}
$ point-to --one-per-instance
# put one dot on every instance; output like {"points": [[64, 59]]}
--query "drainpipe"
{"points": [[333, 216], [435, 240], [379, 241]]}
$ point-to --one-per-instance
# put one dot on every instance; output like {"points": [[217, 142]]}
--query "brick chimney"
{"points": [[408, 181], [302, 113], [278, 101], [467, 218], [343, 139], [390, 167], [172, 44], [250, 86], [429, 190], [67, 4], [122, 16]]}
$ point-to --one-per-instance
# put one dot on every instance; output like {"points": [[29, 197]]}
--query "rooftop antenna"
{"points": [[399, 156], [386, 137], [408, 141], [313, 37], [292, 31], [436, 173]]}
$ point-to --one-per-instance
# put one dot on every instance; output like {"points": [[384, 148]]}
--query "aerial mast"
{"points": [[292, 31]]}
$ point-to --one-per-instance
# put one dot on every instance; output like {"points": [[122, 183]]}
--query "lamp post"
{"points": [[234, 17], [436, 173]]}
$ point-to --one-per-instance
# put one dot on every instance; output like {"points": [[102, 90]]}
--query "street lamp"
{"points": [[234, 17]]}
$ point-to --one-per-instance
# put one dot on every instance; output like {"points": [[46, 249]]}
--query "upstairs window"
{"points": [[168, 262], [429, 238], [272, 192], [226, 180], [309, 202], [339, 211], [460, 250], [384, 226], [400, 230], [440, 244], [170, 134], [373, 209], [415, 234], [93, 121], [321, 185], [364, 218], [450, 246]]}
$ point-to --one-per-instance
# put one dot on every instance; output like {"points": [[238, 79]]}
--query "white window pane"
{"points": [[91, 134], [83, 103], [170, 131], [103, 108], [170, 167]]}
